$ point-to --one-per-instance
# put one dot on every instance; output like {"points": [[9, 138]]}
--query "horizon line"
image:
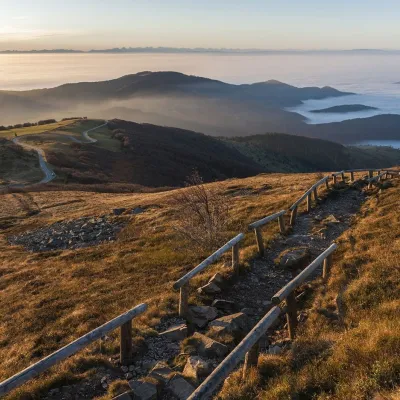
{"points": [[162, 49]]}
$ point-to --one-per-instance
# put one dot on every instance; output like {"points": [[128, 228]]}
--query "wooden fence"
{"points": [[353, 171], [377, 178], [335, 175], [123, 321], [287, 292], [183, 283], [248, 348], [257, 226], [307, 195]]}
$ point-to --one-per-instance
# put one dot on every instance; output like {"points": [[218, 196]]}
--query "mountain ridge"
{"points": [[195, 103]]}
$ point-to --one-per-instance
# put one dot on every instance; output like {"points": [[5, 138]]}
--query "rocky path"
{"points": [[314, 231], [235, 310], [242, 305]]}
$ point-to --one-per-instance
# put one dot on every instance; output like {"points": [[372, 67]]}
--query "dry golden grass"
{"points": [[34, 130], [50, 299], [18, 166], [357, 357]]}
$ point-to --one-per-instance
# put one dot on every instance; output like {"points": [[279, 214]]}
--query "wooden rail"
{"points": [[352, 171], [307, 195], [259, 224], [335, 175], [124, 321], [183, 283], [287, 292], [232, 360], [377, 178], [248, 348]]}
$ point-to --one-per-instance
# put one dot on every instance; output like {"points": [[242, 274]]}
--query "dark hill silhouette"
{"points": [[345, 108], [379, 127], [155, 156], [281, 152]]}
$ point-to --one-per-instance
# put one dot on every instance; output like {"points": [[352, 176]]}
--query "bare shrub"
{"points": [[203, 213]]}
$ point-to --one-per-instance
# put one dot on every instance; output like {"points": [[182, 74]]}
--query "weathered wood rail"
{"points": [[308, 195], [257, 226], [248, 348], [123, 321], [377, 178], [335, 175], [233, 359], [353, 171], [287, 292], [183, 283]]}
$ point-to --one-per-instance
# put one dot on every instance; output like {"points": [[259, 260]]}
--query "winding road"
{"points": [[87, 137], [48, 172]]}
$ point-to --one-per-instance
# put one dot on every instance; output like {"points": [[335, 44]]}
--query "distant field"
{"points": [[34, 129]]}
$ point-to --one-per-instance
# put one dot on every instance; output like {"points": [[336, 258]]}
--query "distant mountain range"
{"points": [[195, 103], [194, 50]]}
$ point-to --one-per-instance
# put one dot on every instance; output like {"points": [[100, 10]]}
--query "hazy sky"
{"points": [[268, 24]]}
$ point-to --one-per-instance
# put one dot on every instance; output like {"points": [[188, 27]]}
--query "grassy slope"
{"points": [[17, 165], [48, 300], [359, 359], [155, 156]]}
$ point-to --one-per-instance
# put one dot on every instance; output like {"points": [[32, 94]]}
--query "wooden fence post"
{"points": [[315, 194], [291, 315], [343, 177], [281, 222], [183, 300], [309, 202], [334, 179], [327, 184], [352, 176], [235, 259], [293, 216], [126, 348], [327, 267], [370, 174], [260, 242], [251, 359]]}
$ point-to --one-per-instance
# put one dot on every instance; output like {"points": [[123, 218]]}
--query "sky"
{"points": [[268, 24]]}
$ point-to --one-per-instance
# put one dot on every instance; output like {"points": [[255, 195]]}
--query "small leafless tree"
{"points": [[203, 213]]}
